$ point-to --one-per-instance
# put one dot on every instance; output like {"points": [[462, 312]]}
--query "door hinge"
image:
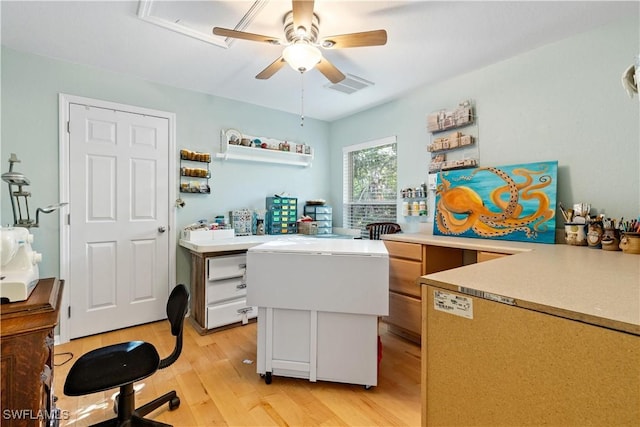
{"points": [[68, 126], [69, 312], [68, 219]]}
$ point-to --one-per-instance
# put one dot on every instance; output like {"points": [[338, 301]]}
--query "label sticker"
{"points": [[487, 295], [454, 304], [499, 298]]}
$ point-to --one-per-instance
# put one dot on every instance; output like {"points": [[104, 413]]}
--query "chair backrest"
{"points": [[378, 228], [177, 306]]}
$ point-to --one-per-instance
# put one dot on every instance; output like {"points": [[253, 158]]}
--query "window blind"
{"points": [[369, 183]]}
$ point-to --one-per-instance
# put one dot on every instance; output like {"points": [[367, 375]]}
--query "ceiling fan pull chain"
{"points": [[301, 99]]}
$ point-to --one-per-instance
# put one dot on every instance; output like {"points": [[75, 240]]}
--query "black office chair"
{"points": [[376, 229], [120, 365]]}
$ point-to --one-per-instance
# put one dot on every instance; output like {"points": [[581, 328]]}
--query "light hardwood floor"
{"points": [[217, 382]]}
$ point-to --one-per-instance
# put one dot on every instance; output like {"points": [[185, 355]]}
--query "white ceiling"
{"points": [[428, 41]]}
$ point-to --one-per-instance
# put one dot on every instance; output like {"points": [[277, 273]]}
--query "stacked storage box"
{"points": [[281, 216], [321, 214]]}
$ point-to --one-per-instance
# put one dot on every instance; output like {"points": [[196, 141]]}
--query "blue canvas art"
{"points": [[516, 202]]}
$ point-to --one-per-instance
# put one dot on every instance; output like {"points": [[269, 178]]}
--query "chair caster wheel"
{"points": [[174, 403], [267, 378]]}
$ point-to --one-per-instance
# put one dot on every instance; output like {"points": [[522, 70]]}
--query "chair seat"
{"points": [[110, 367]]}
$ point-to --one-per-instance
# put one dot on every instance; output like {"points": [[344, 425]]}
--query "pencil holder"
{"points": [[575, 234], [611, 239], [630, 243], [594, 236]]}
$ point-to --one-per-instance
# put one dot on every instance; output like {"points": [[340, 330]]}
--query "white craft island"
{"points": [[318, 307]]}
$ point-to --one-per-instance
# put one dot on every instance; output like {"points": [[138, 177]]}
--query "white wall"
{"points": [[563, 101], [30, 87]]}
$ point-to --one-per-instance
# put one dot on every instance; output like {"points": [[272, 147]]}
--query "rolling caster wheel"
{"points": [[368, 387], [174, 403], [267, 378]]}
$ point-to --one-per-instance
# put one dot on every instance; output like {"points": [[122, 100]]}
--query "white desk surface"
{"points": [[325, 246]]}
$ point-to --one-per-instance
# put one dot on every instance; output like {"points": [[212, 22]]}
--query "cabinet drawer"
{"points": [[404, 250], [323, 217], [222, 290], [317, 209], [226, 267], [405, 312], [228, 313], [403, 276]]}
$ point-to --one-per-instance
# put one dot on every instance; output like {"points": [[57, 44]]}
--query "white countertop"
{"points": [[237, 243], [589, 285], [324, 247]]}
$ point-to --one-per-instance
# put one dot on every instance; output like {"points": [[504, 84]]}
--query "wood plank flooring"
{"points": [[217, 382]]}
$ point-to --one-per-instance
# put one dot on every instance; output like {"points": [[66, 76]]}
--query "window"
{"points": [[370, 183]]}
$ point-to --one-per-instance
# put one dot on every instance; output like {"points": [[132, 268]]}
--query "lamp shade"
{"points": [[302, 56]]}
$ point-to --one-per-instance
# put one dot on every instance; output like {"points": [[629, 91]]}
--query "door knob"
{"points": [[162, 229]]}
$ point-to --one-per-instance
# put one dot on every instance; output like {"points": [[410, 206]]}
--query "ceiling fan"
{"points": [[302, 42]]}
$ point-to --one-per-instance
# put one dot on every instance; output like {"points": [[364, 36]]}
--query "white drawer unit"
{"points": [[226, 267], [322, 215], [226, 290], [229, 312]]}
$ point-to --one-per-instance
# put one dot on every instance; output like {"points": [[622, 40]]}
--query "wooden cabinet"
{"points": [[26, 329], [407, 262], [487, 256], [218, 294], [501, 364]]}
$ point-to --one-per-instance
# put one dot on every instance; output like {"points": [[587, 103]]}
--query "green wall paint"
{"points": [[30, 88], [563, 101]]}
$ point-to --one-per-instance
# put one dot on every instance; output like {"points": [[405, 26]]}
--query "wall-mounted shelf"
{"points": [[442, 120], [194, 170], [463, 116], [251, 153]]}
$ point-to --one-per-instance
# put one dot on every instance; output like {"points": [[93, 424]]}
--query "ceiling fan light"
{"points": [[302, 56]]}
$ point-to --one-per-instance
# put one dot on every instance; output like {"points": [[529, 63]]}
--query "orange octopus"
{"points": [[461, 208]]}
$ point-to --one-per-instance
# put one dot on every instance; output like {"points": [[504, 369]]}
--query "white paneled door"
{"points": [[119, 214]]}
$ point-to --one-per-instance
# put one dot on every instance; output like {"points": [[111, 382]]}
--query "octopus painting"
{"points": [[509, 203]]}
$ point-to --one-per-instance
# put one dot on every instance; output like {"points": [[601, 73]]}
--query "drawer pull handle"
{"points": [[241, 286], [245, 314], [242, 265]]}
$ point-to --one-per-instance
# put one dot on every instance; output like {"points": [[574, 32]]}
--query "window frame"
{"points": [[347, 202]]}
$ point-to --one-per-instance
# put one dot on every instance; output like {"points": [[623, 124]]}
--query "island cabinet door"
{"points": [[489, 363]]}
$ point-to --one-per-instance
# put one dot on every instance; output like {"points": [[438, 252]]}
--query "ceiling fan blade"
{"points": [[366, 38], [330, 71], [302, 14], [245, 36], [271, 69]]}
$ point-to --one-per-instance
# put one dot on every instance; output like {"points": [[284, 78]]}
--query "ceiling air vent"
{"points": [[350, 84]]}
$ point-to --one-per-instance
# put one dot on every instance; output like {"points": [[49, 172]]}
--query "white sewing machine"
{"points": [[19, 273]]}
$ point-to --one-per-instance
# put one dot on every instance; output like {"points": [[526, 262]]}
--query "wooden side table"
{"points": [[27, 339]]}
